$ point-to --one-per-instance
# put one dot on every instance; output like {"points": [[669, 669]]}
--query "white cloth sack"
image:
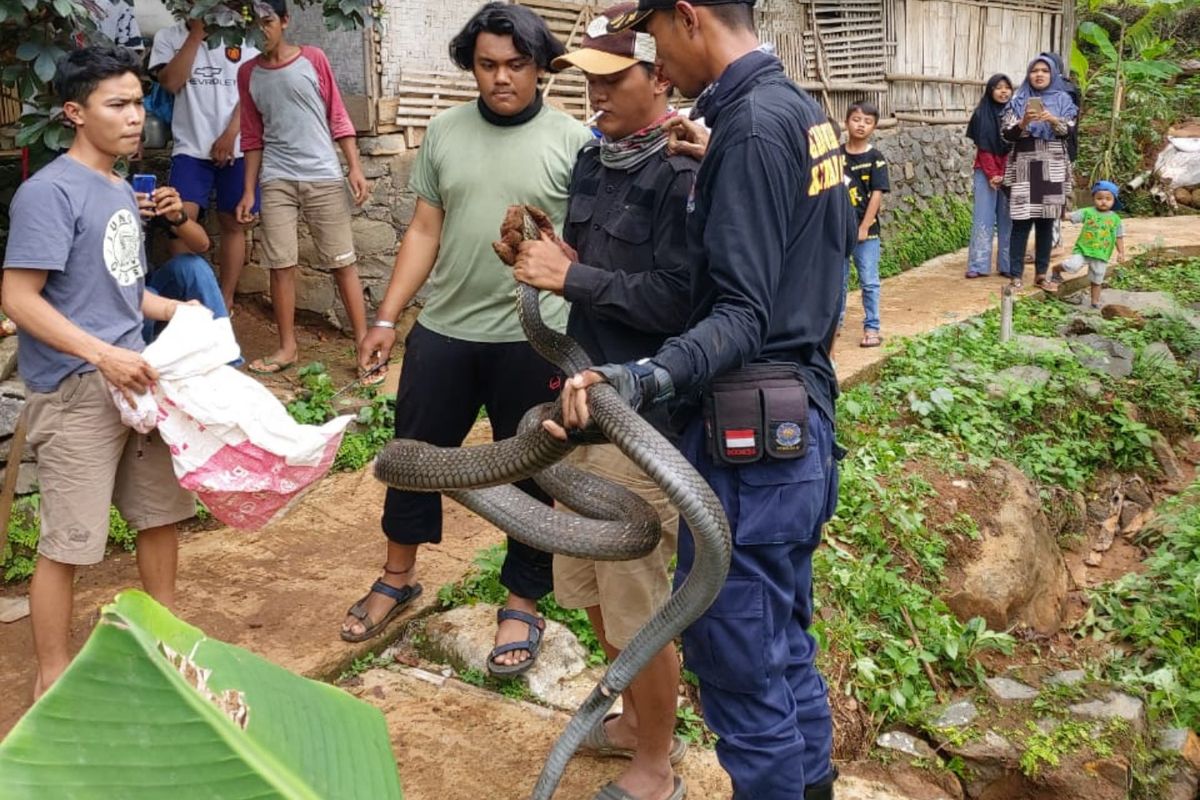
{"points": [[232, 442], [1178, 165]]}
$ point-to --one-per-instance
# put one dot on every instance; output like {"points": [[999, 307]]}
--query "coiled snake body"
{"points": [[612, 523]]}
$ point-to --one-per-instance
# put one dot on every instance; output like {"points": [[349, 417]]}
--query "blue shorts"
{"points": [[195, 178]]}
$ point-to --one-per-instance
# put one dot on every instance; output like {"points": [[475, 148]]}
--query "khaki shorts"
{"points": [[326, 209], [627, 592], [87, 460]]}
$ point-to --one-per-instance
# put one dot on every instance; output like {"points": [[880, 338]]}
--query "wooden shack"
{"points": [[921, 61]]}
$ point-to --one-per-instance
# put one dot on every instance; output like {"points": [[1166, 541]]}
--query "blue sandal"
{"points": [[403, 598], [533, 644]]}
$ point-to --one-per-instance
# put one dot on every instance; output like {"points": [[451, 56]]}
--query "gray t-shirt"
{"points": [[83, 229]]}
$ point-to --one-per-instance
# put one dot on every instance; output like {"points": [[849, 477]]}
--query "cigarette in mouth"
{"points": [[592, 119]]}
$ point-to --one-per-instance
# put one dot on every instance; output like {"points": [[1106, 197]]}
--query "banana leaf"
{"points": [[153, 708]]}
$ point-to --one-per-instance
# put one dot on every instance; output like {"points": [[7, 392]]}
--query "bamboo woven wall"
{"points": [[919, 60]]}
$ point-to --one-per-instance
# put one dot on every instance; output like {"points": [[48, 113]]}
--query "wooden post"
{"points": [[16, 446], [1006, 313]]}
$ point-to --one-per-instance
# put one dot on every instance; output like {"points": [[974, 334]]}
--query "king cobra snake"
{"points": [[612, 523]]}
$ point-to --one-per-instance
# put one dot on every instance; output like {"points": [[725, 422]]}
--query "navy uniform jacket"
{"points": [[770, 230], [629, 288]]}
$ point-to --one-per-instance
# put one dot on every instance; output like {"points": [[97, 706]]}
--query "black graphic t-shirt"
{"points": [[866, 173]]}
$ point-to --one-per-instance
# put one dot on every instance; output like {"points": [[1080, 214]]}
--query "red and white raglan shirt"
{"points": [[293, 112]]}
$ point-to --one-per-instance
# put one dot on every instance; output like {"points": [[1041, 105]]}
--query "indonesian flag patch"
{"points": [[740, 443]]}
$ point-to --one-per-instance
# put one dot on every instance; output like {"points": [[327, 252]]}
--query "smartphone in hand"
{"points": [[144, 184], [1035, 105]]}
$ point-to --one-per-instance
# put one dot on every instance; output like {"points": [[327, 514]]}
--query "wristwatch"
{"points": [[183, 217]]}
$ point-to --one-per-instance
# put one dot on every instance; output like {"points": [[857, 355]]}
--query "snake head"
{"points": [[512, 232]]}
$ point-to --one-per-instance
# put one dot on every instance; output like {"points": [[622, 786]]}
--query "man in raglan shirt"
{"points": [[206, 156], [292, 114]]}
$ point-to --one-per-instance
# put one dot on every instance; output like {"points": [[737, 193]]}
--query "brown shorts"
{"points": [[87, 460], [326, 209], [627, 592]]}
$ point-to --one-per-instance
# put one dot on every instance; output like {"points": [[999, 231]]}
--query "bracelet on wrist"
{"points": [[383, 323], [175, 223]]}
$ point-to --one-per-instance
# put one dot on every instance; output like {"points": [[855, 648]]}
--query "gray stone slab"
{"points": [[8, 357], [957, 715], [10, 411], [905, 743], [1068, 677], [1006, 690], [1038, 346], [1160, 354], [1116, 705]]}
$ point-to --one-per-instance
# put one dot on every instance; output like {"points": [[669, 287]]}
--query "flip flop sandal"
{"points": [[972, 275], [611, 791], [533, 644], [871, 339], [1043, 284], [403, 598], [598, 745], [269, 366], [1017, 283]]}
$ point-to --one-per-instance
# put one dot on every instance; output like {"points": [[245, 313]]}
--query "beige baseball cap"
{"points": [[604, 53]]}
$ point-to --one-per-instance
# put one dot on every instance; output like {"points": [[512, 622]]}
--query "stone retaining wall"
{"points": [[924, 162]]}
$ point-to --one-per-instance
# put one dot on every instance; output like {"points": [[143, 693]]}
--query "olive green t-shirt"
{"points": [[473, 171]]}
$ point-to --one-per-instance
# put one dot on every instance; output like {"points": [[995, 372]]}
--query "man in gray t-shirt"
{"points": [[74, 280]]}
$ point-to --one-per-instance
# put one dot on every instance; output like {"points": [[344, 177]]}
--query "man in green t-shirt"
{"points": [[467, 349]]}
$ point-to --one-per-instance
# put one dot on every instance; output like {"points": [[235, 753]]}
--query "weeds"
{"points": [[375, 421]]}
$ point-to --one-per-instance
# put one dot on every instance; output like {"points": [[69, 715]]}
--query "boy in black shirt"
{"points": [[867, 180]]}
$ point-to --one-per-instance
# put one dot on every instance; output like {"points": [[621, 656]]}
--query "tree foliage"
{"points": [[35, 34]]}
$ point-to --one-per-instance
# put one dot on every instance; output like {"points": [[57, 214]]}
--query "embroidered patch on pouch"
{"points": [[740, 442], [788, 436]]}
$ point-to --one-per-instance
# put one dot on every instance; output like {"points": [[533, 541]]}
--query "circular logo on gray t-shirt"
{"points": [[123, 248]]}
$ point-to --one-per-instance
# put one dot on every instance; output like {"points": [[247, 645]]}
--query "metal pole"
{"points": [[1006, 312]]}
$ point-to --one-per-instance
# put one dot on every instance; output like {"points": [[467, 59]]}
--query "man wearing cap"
{"points": [[769, 230], [628, 288]]}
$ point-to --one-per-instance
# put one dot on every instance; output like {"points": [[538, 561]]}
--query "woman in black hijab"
{"points": [[990, 216]]}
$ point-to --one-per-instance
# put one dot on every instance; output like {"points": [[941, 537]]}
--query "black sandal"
{"points": [[402, 597], [533, 644]]}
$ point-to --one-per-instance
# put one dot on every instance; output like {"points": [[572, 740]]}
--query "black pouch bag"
{"points": [[755, 412]]}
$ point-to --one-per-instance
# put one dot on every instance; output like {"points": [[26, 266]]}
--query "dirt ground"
{"points": [[282, 592]]}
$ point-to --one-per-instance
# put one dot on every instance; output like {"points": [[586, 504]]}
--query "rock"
{"points": [[465, 635], [897, 780], [1025, 375], [906, 743], [1141, 302], [1129, 512], [1183, 196], [13, 608], [1068, 677], [371, 236], [1017, 573], [1091, 389], [13, 387], [1116, 311], [1079, 325], [26, 478], [1135, 490], [1033, 346], [374, 168], [1167, 460], [1183, 743], [10, 412], [1116, 705], [1102, 355], [1097, 511], [1159, 355], [1006, 690], [8, 357], [6, 446], [386, 145], [991, 747], [956, 715]]}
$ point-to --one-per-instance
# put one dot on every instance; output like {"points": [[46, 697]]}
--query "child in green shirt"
{"points": [[1102, 233]]}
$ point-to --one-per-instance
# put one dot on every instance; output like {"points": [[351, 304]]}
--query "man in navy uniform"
{"points": [[769, 230]]}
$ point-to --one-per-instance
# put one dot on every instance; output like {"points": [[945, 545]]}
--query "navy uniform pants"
{"points": [[759, 688]]}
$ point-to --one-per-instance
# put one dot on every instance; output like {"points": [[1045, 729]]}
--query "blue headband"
{"points": [[1106, 186]]}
